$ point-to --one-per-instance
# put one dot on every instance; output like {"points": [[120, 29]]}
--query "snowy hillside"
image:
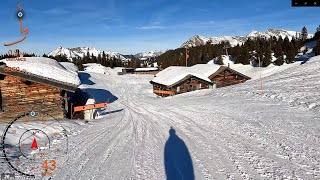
{"points": [[306, 51], [234, 40], [81, 51], [255, 72]]}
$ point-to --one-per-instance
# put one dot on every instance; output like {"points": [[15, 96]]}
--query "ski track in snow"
{"points": [[237, 132], [231, 133]]}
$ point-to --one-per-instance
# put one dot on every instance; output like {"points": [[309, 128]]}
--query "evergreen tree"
{"points": [[290, 57], [244, 57], [316, 49], [93, 58], [304, 33], [99, 59], [267, 58], [279, 61], [318, 29], [104, 59]]}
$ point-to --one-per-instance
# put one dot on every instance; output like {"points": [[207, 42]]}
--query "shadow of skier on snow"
{"points": [[177, 159]]}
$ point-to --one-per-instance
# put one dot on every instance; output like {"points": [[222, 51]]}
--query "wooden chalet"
{"points": [[176, 80], [24, 91]]}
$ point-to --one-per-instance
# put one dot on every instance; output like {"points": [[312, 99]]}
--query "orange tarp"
{"points": [[90, 106]]}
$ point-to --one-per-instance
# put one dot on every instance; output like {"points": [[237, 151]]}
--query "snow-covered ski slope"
{"points": [[229, 133]]}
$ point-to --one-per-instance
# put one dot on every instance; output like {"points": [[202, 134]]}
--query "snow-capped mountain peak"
{"points": [[198, 40], [81, 52]]}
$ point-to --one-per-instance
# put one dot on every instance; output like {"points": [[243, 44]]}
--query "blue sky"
{"points": [[136, 26]]}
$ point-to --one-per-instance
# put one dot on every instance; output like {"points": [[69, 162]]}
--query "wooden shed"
{"points": [[26, 91], [175, 79]]}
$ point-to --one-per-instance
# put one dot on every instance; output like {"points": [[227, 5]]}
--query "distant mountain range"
{"points": [[81, 51], [198, 40]]}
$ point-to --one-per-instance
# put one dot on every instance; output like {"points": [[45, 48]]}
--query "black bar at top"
{"points": [[306, 3]]}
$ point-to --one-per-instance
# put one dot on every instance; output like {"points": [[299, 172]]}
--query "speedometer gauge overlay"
{"points": [[31, 144]]}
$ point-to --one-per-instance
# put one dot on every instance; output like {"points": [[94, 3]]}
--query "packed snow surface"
{"points": [[147, 69], [237, 132], [47, 68]]}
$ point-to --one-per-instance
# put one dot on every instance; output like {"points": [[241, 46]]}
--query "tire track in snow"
{"points": [[79, 158]]}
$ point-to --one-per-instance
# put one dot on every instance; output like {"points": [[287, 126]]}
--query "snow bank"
{"points": [[47, 68], [98, 68], [225, 59], [314, 59], [146, 69]]}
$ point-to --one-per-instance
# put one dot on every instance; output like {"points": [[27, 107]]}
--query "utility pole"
{"points": [[226, 47], [260, 76], [186, 57]]}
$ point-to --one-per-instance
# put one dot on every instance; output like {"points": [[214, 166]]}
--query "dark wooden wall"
{"points": [[227, 78], [190, 84], [23, 96]]}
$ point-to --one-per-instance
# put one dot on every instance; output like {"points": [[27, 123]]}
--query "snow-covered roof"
{"points": [[147, 69], [204, 69], [70, 66], [46, 68], [174, 74]]}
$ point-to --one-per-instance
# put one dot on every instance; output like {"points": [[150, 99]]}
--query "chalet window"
{"points": [[178, 89]]}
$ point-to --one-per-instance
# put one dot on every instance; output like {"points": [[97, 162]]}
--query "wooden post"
{"points": [[71, 113]]}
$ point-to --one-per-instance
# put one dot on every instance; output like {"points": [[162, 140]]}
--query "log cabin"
{"points": [[176, 79], [36, 84]]}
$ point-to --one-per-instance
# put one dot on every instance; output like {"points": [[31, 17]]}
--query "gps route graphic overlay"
{"points": [[20, 15], [30, 147]]}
